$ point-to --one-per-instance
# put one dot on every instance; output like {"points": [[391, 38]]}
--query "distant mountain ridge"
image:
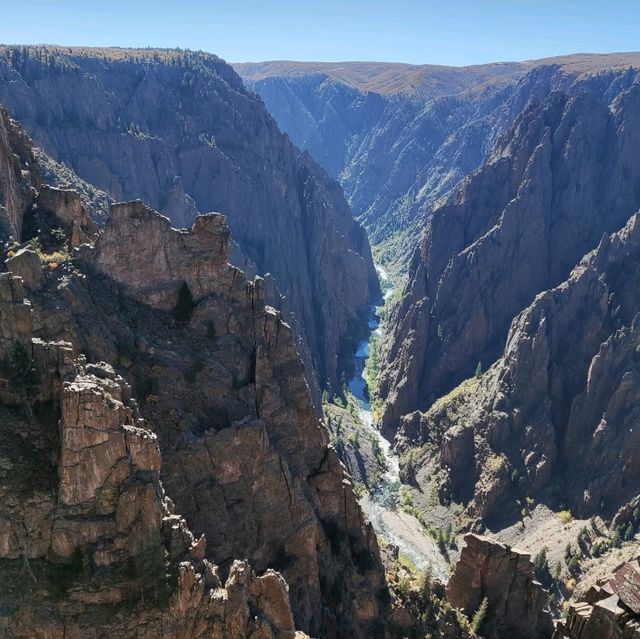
{"points": [[400, 138], [429, 80]]}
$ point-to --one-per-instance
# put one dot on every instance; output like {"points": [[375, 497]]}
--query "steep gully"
{"points": [[382, 506]]}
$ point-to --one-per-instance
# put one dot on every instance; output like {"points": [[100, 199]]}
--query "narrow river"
{"points": [[382, 506]]}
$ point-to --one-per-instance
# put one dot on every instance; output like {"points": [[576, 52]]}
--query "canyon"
{"points": [[91, 111], [222, 418], [497, 371]]}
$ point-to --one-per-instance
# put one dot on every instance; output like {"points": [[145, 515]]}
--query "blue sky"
{"points": [[455, 32]]}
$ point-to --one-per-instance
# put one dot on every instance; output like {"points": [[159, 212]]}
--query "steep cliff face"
{"points": [[162, 317], [555, 417], [516, 602], [386, 148], [401, 137], [86, 529], [179, 131], [19, 176], [564, 175]]}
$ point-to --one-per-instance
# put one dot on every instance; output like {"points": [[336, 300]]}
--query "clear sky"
{"points": [[455, 32]]}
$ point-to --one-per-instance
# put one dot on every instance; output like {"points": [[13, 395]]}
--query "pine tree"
{"points": [[478, 617], [183, 309]]}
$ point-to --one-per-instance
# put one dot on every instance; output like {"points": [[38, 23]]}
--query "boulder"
{"points": [[26, 264]]}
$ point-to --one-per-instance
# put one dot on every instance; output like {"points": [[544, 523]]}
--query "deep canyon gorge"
{"points": [[319, 350]]}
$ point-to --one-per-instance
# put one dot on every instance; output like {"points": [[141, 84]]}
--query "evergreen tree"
{"points": [[183, 309]]}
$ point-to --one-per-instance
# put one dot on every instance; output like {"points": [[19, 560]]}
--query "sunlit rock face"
{"points": [[179, 131], [162, 467]]}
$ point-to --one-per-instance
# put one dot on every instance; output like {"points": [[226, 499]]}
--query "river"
{"points": [[381, 506]]}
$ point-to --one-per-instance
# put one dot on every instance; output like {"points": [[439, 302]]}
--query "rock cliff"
{"points": [[554, 418], [517, 604], [179, 131], [562, 176], [400, 138], [86, 528], [608, 610], [19, 176], [143, 342]]}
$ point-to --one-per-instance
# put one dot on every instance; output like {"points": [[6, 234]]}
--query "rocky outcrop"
{"points": [[562, 177], [68, 209], [243, 429], [179, 131], [160, 316], [19, 176], [517, 604], [554, 418], [217, 373], [85, 525], [608, 610]]}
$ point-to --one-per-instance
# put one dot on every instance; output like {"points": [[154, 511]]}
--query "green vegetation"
{"points": [[24, 579], [571, 559], [51, 259], [58, 236], [423, 599], [185, 305], [479, 616], [359, 489], [565, 517], [406, 501], [408, 466], [600, 547], [150, 569], [542, 570]]}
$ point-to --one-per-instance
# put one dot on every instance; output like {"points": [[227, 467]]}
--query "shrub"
{"points": [[629, 533], [565, 516], [616, 540], [573, 564], [58, 236], [183, 310], [359, 489], [151, 568], [541, 569]]}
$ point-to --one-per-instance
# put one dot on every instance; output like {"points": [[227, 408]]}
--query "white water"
{"points": [[381, 507]]}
